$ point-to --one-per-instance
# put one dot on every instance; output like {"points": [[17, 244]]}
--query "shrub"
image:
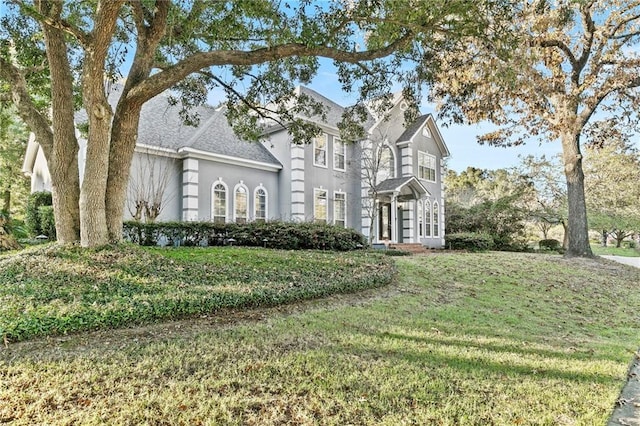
{"points": [[550, 244], [472, 241], [33, 220], [47, 222], [396, 252], [279, 235]]}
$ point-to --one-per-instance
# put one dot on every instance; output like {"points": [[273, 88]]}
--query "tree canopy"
{"points": [[573, 59], [255, 50]]}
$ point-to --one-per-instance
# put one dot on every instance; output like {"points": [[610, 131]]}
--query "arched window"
{"points": [[436, 217], [420, 214], [240, 202], [219, 202], [386, 164], [260, 204], [427, 216]]}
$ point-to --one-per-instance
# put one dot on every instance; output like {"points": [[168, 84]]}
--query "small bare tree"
{"points": [[148, 187]]}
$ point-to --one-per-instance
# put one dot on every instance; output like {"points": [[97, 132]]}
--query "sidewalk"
{"points": [[627, 409]]}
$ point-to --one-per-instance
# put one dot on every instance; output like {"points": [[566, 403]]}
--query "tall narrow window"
{"points": [[436, 220], [340, 209], [219, 203], [386, 164], [240, 204], [339, 154], [420, 214], [320, 150], [427, 217], [320, 205], [260, 205], [426, 166]]}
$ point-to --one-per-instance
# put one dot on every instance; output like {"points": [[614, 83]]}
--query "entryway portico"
{"points": [[396, 209]]}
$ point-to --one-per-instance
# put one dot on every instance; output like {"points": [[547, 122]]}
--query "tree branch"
{"points": [[163, 80], [56, 22]]}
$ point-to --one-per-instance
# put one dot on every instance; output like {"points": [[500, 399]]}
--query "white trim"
{"points": [[226, 159], [326, 151], [156, 150], [420, 217], [335, 204], [266, 202], [435, 166], [428, 219], [226, 199], [235, 205], [436, 222], [326, 207], [344, 154]]}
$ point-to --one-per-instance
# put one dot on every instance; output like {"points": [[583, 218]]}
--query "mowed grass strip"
{"points": [[457, 339], [55, 291]]}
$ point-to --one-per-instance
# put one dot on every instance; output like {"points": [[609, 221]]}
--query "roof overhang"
{"points": [[403, 189]]}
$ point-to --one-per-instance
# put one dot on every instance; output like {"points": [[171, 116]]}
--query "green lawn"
{"points": [[456, 339], [612, 250]]}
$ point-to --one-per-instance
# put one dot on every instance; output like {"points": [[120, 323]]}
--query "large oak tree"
{"points": [[574, 58], [255, 50]]}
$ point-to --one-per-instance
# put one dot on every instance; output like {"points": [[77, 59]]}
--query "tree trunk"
{"points": [[123, 143], [604, 238], [578, 233], [62, 157]]}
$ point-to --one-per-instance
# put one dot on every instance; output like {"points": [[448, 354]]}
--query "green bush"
{"points": [[279, 235], [396, 252], [33, 220], [550, 244], [629, 244], [471, 241], [47, 222]]}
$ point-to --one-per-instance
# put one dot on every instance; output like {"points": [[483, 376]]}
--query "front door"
{"points": [[384, 221]]}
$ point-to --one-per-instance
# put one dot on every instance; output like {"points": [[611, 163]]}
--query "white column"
{"points": [[297, 183], [190, 169], [394, 219]]}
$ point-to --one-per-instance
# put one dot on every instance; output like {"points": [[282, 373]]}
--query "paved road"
{"points": [[627, 411], [633, 261]]}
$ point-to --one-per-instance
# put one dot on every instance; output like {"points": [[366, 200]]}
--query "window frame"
{"points": [[325, 150], [436, 219], [428, 211], [425, 166], [335, 208], [239, 186], [214, 197], [420, 214], [256, 204], [338, 142], [316, 204]]}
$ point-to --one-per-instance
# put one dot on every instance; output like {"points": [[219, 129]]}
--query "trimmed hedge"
{"points": [[278, 235], [33, 220], [550, 244], [471, 241]]}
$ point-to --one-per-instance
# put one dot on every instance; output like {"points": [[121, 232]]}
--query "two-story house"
{"points": [[388, 186]]}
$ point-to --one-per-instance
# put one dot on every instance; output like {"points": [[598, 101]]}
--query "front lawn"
{"points": [[52, 291], [456, 339], [612, 250]]}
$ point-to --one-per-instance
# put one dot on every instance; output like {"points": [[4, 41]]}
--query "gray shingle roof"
{"points": [[161, 126], [393, 183], [413, 128], [334, 112]]}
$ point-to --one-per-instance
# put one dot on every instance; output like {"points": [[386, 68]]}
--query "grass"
{"points": [[457, 339], [53, 291], [612, 250]]}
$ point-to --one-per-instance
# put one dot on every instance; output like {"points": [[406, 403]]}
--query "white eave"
{"points": [[204, 155]]}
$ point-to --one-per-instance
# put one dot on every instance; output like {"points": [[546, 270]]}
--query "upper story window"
{"points": [[219, 203], [339, 154], [340, 209], [426, 166], [240, 204], [320, 205], [426, 132], [386, 164], [320, 150], [260, 205]]}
